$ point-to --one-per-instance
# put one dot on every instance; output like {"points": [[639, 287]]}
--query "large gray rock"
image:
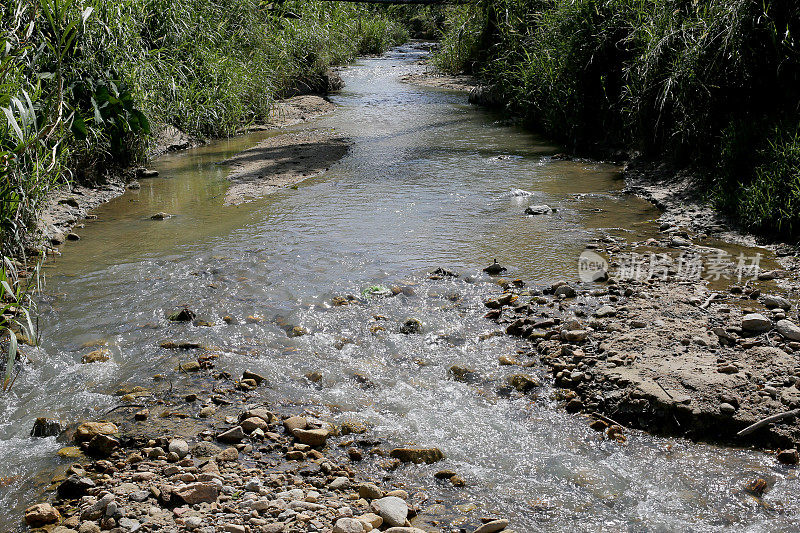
{"points": [[348, 525], [179, 447], [392, 509], [788, 329], [756, 323], [538, 210], [772, 301]]}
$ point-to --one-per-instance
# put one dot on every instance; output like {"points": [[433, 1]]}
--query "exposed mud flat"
{"points": [[282, 161]]}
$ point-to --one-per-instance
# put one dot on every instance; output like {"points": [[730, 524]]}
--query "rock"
{"points": [[88, 430], [494, 269], [206, 412], [339, 483], [295, 422], [227, 455], [296, 331], [190, 366], [179, 447], [182, 315], [41, 514], [523, 382], [89, 527], [161, 216], [348, 525], [726, 409], [566, 291], [417, 455], [69, 452], [575, 335], [103, 445], [193, 522], [129, 524], [253, 423], [73, 237], [411, 326], [463, 374], [492, 527], [258, 378], [46, 427], [678, 241], [205, 449], [788, 329], [74, 487], [538, 209], [788, 457], [756, 323], [312, 437], [145, 173], [605, 311], [369, 491], [234, 528], [199, 492], [392, 509], [444, 474], [404, 530], [96, 356], [233, 435], [772, 301]]}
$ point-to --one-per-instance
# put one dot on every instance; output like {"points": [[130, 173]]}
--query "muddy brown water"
{"points": [[427, 183]]}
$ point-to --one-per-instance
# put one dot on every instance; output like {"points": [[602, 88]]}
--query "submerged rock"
{"points": [[494, 269], [411, 326], [182, 315], [46, 427], [538, 210], [96, 356], [417, 455]]}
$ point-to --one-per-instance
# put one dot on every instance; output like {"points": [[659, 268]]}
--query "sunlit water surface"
{"points": [[426, 184]]}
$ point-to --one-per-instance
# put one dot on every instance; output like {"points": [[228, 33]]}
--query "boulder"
{"points": [[46, 427], [417, 455], [392, 509], [772, 301], [88, 430], [312, 437], [199, 492], [492, 527], [538, 209], [74, 487], [41, 514], [179, 447], [348, 525], [233, 435], [756, 323], [788, 329]]}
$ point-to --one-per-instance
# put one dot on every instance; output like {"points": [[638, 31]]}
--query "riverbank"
{"points": [[276, 162], [684, 339]]}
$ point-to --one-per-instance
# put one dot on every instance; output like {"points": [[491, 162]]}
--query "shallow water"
{"points": [[427, 183]]}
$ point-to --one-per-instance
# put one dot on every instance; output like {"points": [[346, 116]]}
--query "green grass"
{"points": [[713, 84], [84, 84]]}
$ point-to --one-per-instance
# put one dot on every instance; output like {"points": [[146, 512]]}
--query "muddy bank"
{"points": [[660, 349], [207, 455], [66, 209], [282, 161]]}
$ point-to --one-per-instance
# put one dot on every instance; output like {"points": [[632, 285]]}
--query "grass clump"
{"points": [[711, 83]]}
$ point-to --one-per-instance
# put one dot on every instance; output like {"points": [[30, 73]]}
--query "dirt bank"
{"points": [[67, 206]]}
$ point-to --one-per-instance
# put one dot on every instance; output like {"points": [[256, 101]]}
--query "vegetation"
{"points": [[85, 84], [712, 84]]}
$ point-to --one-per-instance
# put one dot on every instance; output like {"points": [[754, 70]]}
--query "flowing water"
{"points": [[426, 184]]}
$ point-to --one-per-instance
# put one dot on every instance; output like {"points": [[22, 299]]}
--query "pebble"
{"points": [[179, 447]]}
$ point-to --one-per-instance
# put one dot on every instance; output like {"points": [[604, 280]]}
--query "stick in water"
{"points": [[768, 420]]}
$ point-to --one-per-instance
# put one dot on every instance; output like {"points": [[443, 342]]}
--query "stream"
{"points": [[426, 184]]}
